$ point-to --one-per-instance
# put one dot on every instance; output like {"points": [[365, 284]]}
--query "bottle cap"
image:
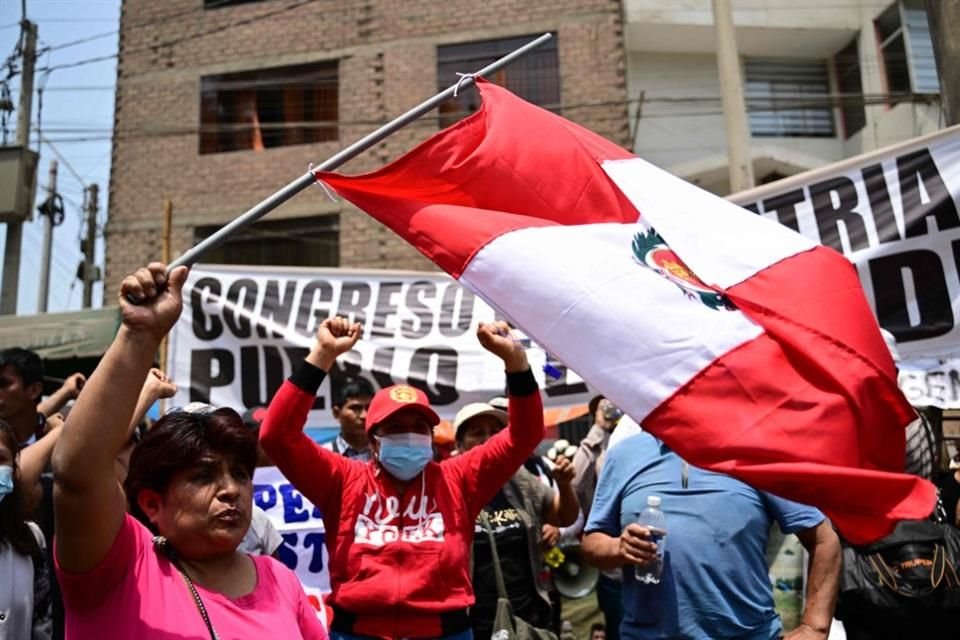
{"points": [[653, 501]]}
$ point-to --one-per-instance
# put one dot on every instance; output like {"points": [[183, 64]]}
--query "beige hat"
{"points": [[474, 409]]}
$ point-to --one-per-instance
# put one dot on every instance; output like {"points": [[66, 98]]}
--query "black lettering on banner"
{"points": [[383, 365], [241, 301], [385, 308], [926, 387], [276, 308], [876, 185], [913, 169], [912, 387], [954, 377], [203, 289], [451, 326], [354, 298], [250, 387], [443, 390], [829, 216], [930, 284], [415, 304], [209, 368], [311, 311], [935, 385], [785, 206]]}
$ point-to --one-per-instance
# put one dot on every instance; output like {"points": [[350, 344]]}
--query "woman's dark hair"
{"points": [[14, 529], [179, 440]]}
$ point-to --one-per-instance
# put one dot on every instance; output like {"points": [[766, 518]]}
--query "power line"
{"points": [[62, 159], [185, 38], [755, 104], [75, 42]]}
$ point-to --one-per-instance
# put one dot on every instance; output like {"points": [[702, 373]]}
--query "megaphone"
{"points": [[574, 578]]}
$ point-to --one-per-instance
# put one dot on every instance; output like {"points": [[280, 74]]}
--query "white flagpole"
{"points": [[193, 255]]}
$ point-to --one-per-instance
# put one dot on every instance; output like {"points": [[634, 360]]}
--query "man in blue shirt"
{"points": [[715, 583]]}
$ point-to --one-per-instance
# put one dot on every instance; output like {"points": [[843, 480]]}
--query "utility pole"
{"points": [[944, 16], [11, 253], [90, 274], [731, 94], [49, 211]]}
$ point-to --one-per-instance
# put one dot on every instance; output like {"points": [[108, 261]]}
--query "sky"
{"points": [[77, 120]]}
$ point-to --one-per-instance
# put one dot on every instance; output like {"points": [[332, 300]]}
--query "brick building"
{"points": [[221, 102]]}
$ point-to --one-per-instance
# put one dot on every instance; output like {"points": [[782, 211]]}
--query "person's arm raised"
{"points": [[485, 469], [313, 470], [89, 503], [565, 506], [68, 391], [156, 386]]}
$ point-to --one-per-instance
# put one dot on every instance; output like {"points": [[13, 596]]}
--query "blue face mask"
{"points": [[6, 481], [404, 455]]}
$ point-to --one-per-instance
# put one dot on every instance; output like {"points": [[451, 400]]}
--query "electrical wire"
{"points": [[62, 159], [754, 105], [185, 38]]}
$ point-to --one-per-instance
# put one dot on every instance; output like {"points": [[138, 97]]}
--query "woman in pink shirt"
{"points": [[170, 567]]}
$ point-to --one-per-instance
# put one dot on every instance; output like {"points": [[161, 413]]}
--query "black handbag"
{"points": [[905, 585]]}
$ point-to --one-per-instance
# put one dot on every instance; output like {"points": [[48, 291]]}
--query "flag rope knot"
{"points": [[322, 184], [463, 77]]}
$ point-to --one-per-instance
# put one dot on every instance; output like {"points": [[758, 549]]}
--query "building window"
{"points": [[296, 242], [907, 50], [268, 108], [534, 77], [850, 85], [788, 98]]}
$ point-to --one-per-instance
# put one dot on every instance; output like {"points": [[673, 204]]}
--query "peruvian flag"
{"points": [[747, 348]]}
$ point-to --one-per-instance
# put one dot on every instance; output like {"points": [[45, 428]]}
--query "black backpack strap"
{"points": [[942, 570], [886, 576]]}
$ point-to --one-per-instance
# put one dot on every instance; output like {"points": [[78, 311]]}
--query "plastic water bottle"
{"points": [[652, 518]]}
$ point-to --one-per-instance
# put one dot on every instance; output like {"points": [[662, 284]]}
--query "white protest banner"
{"points": [[894, 214], [934, 382], [244, 329], [304, 548]]}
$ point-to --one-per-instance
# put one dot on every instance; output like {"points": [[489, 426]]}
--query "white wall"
{"points": [[670, 55], [687, 137]]}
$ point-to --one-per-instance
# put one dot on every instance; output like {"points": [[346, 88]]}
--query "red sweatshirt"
{"points": [[398, 561]]}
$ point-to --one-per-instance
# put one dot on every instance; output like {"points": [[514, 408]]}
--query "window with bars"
{"points": [[298, 242], [850, 85], [269, 108], [909, 64], [788, 98], [534, 77]]}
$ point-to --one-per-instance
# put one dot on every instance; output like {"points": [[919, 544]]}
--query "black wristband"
{"points": [[308, 377], [522, 383]]}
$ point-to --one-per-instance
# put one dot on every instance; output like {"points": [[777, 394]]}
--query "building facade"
{"points": [[822, 80], [221, 102]]}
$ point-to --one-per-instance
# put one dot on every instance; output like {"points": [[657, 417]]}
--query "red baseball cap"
{"points": [[389, 400]]}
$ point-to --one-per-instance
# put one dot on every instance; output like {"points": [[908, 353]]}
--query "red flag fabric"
{"points": [[744, 346]]}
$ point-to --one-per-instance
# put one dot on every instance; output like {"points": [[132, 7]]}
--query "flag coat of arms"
{"points": [[747, 348]]}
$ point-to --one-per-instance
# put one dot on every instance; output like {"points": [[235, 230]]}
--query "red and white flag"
{"points": [[744, 346]]}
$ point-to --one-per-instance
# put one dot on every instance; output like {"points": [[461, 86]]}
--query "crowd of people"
{"points": [[110, 529]]}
